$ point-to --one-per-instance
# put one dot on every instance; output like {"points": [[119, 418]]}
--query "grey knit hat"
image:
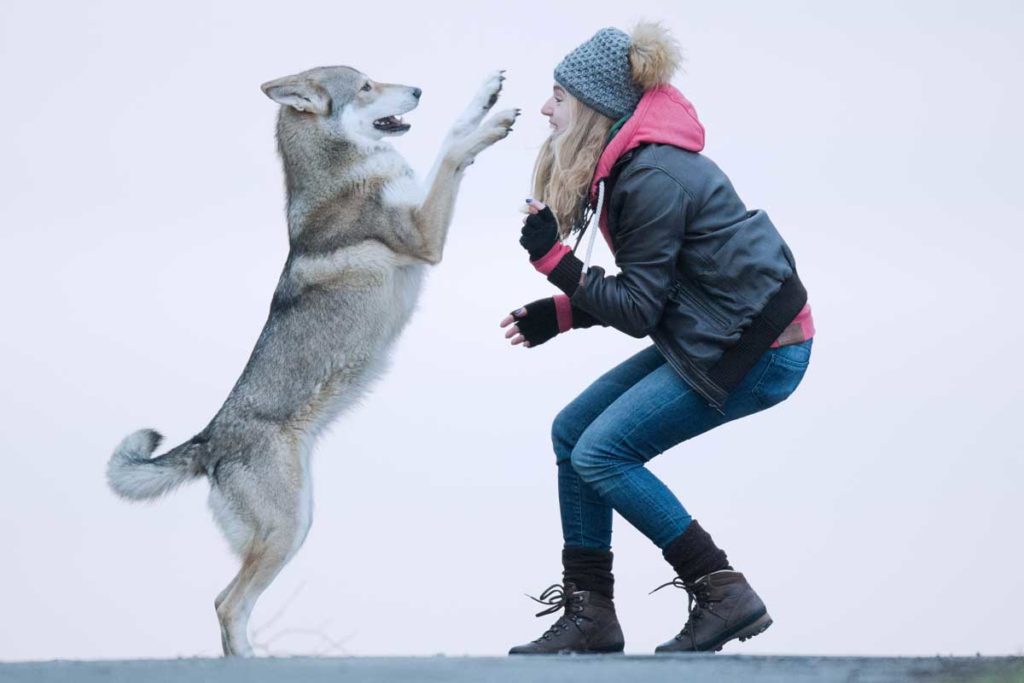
{"points": [[598, 74]]}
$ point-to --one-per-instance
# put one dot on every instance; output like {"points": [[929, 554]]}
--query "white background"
{"points": [[878, 511]]}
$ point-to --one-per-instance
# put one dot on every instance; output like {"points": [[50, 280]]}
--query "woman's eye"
{"points": [[366, 87]]}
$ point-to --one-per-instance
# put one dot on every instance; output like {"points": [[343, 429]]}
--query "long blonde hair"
{"points": [[566, 163]]}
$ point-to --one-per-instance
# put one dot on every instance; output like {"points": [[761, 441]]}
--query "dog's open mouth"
{"points": [[391, 124]]}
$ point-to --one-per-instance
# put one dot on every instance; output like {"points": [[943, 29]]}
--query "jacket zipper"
{"points": [[701, 306], [685, 370]]}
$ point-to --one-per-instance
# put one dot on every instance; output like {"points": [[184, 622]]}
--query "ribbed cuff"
{"points": [[581, 319], [566, 274], [546, 263], [563, 312]]}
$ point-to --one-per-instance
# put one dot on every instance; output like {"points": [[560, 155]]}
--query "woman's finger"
{"points": [[518, 340], [512, 331], [508, 320], [533, 207]]}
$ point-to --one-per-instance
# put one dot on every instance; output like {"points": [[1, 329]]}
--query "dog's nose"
{"points": [[416, 92]]}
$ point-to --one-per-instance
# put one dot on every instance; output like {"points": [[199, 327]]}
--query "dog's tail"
{"points": [[134, 474]]}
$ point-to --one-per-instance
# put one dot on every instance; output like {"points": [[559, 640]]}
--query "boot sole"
{"points": [[756, 627], [607, 650]]}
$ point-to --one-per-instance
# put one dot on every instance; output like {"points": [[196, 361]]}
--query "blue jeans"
{"points": [[629, 415]]}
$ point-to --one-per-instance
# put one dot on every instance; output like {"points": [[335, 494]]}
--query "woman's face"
{"points": [[557, 110]]}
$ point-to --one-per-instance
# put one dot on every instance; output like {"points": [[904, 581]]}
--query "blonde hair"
{"points": [[565, 165]]}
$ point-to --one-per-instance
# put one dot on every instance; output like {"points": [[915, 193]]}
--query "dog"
{"points": [[361, 233]]}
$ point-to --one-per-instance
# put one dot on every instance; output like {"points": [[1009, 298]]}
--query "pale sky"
{"points": [[877, 511]]}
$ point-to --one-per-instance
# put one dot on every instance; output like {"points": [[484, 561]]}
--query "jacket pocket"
{"points": [[682, 293]]}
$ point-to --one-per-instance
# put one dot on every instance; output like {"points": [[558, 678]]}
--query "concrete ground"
{"points": [[564, 669]]}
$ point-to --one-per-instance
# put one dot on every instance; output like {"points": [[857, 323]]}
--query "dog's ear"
{"points": [[299, 93]]}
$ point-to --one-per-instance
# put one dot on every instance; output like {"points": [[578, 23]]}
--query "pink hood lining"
{"points": [[663, 116]]}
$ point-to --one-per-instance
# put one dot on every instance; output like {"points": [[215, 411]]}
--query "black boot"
{"points": [[587, 626], [588, 623], [722, 604]]}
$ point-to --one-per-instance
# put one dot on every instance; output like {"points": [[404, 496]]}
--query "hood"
{"points": [[662, 116]]}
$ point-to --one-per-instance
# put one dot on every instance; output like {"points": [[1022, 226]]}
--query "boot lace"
{"points": [[699, 605], [557, 598]]}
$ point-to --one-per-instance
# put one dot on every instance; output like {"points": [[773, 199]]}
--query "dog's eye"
{"points": [[366, 86]]}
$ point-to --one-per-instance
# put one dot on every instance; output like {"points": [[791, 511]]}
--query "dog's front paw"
{"points": [[500, 125], [490, 90], [489, 132], [478, 106]]}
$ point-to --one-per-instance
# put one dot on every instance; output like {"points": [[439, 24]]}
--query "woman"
{"points": [[712, 284]]}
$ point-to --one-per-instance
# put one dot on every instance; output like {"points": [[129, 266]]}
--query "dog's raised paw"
{"points": [[499, 125], [491, 89]]}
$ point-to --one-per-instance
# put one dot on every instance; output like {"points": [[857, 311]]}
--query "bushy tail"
{"points": [[134, 474]]}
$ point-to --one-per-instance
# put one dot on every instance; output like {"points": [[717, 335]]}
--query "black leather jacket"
{"points": [[710, 282]]}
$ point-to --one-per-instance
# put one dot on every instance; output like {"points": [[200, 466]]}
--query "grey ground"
{"points": [[566, 669]]}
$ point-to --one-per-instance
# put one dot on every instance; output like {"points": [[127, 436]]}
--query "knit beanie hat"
{"points": [[611, 71]]}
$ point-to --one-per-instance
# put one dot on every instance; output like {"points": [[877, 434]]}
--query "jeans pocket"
{"points": [[796, 355], [782, 376]]}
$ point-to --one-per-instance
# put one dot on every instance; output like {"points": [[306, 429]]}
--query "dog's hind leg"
{"points": [[276, 506], [259, 568]]}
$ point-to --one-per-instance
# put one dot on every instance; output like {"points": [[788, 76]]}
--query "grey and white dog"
{"points": [[361, 232]]}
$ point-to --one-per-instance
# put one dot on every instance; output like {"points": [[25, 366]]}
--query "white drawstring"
{"points": [[595, 224]]}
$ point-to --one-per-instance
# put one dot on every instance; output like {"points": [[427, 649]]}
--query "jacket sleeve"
{"points": [[651, 207]]}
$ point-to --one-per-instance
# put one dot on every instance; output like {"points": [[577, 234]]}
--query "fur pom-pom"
{"points": [[653, 54]]}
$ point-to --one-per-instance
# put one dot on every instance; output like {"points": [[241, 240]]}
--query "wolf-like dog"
{"points": [[361, 233]]}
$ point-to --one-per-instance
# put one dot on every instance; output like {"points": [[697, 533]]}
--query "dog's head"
{"points": [[343, 103]]}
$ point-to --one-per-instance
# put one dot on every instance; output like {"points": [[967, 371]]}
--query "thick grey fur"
{"points": [[361, 233]]}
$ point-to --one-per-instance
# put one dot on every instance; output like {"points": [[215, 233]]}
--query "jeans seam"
{"points": [[649, 501], [622, 438], [755, 391], [620, 387], [579, 504]]}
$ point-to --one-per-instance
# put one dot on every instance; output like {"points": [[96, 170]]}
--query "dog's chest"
{"points": [[407, 283]]}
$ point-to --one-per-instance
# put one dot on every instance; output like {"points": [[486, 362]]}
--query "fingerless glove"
{"points": [[543, 319], [539, 233]]}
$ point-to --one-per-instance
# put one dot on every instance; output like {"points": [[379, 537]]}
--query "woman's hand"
{"points": [[540, 230], [535, 323]]}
